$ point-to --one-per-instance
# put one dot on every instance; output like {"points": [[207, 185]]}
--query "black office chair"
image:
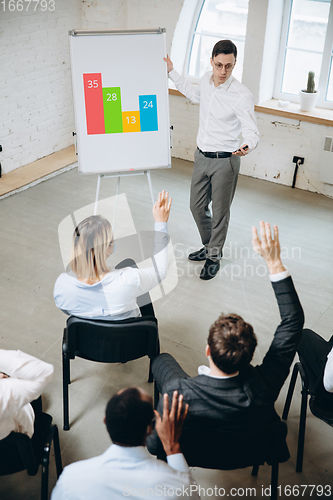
{"points": [[213, 448], [107, 342], [299, 369], [18, 452]]}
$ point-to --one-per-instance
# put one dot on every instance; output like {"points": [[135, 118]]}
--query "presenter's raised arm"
{"points": [[169, 63], [187, 88]]}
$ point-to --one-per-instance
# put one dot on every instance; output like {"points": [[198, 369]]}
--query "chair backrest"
{"points": [[112, 341], [229, 449]]}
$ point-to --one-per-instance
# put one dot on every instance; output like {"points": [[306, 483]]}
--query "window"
{"points": [[216, 20], [306, 45]]}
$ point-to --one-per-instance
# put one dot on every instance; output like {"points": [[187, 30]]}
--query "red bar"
{"points": [[93, 97]]}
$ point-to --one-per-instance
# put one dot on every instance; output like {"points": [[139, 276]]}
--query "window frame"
{"points": [[195, 21], [327, 60]]}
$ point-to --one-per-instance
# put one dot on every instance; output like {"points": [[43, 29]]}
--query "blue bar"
{"points": [[148, 113]]}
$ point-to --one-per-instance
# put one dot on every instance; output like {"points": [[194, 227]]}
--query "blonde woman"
{"points": [[93, 290]]}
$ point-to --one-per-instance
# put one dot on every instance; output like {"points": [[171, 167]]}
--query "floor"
{"points": [[32, 173], [32, 261]]}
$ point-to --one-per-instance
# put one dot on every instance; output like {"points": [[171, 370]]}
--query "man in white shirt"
{"points": [[316, 355], [126, 469], [22, 380], [226, 110], [232, 394]]}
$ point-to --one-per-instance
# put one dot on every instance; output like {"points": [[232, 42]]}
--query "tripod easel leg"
{"points": [[97, 193]]}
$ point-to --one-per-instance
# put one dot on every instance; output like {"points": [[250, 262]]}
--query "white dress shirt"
{"points": [[226, 112], [27, 378], [125, 472], [114, 297], [328, 373]]}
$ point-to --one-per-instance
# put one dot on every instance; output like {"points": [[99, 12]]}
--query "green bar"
{"points": [[112, 110]]}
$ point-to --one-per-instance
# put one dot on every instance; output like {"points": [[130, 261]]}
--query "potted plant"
{"points": [[308, 97]]}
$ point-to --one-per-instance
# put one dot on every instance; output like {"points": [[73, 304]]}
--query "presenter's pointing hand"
{"points": [[161, 209], [169, 63]]}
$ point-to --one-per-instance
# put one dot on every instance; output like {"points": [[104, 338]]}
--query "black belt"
{"points": [[218, 154]]}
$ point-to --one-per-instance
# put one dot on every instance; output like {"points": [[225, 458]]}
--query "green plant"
{"points": [[311, 84]]}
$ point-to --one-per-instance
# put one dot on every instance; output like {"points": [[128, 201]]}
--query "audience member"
{"points": [[126, 469], [96, 292], [22, 380], [316, 355], [232, 393]]}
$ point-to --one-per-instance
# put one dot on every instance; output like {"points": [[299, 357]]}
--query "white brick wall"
{"points": [[35, 82], [280, 140], [36, 93]]}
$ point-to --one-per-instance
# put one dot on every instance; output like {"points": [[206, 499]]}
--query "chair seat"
{"points": [[228, 450], [18, 452]]}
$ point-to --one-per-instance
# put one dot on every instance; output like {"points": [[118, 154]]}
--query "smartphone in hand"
{"points": [[245, 148]]}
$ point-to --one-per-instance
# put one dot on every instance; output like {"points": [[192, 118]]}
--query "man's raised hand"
{"points": [[268, 247], [169, 427]]}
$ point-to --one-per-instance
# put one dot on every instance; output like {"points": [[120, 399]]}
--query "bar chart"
{"points": [[104, 113]]}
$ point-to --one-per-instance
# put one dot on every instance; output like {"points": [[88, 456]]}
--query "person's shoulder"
{"points": [[182, 384], [65, 278], [207, 77], [126, 275], [77, 468], [240, 87]]}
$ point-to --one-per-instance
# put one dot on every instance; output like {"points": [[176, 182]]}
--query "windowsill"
{"points": [[320, 116]]}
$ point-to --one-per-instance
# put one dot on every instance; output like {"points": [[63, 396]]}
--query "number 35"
{"points": [[92, 84]]}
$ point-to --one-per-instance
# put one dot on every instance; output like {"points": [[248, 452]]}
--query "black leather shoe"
{"points": [[199, 255], [210, 269]]}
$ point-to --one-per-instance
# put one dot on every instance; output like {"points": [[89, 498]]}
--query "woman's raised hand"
{"points": [[161, 209]]}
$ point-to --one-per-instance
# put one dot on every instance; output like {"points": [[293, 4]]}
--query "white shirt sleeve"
{"points": [[279, 276], [328, 373], [245, 113], [151, 276], [191, 91], [28, 376], [178, 462]]}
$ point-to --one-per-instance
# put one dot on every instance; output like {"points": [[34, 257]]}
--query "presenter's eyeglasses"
{"points": [[219, 66]]}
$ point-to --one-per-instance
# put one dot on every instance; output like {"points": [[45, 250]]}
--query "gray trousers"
{"points": [[213, 179]]}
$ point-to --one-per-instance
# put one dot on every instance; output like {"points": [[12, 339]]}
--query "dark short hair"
{"points": [[127, 417], [224, 47], [232, 343]]}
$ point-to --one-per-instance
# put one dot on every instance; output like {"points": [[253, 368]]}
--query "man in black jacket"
{"points": [[231, 393]]}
